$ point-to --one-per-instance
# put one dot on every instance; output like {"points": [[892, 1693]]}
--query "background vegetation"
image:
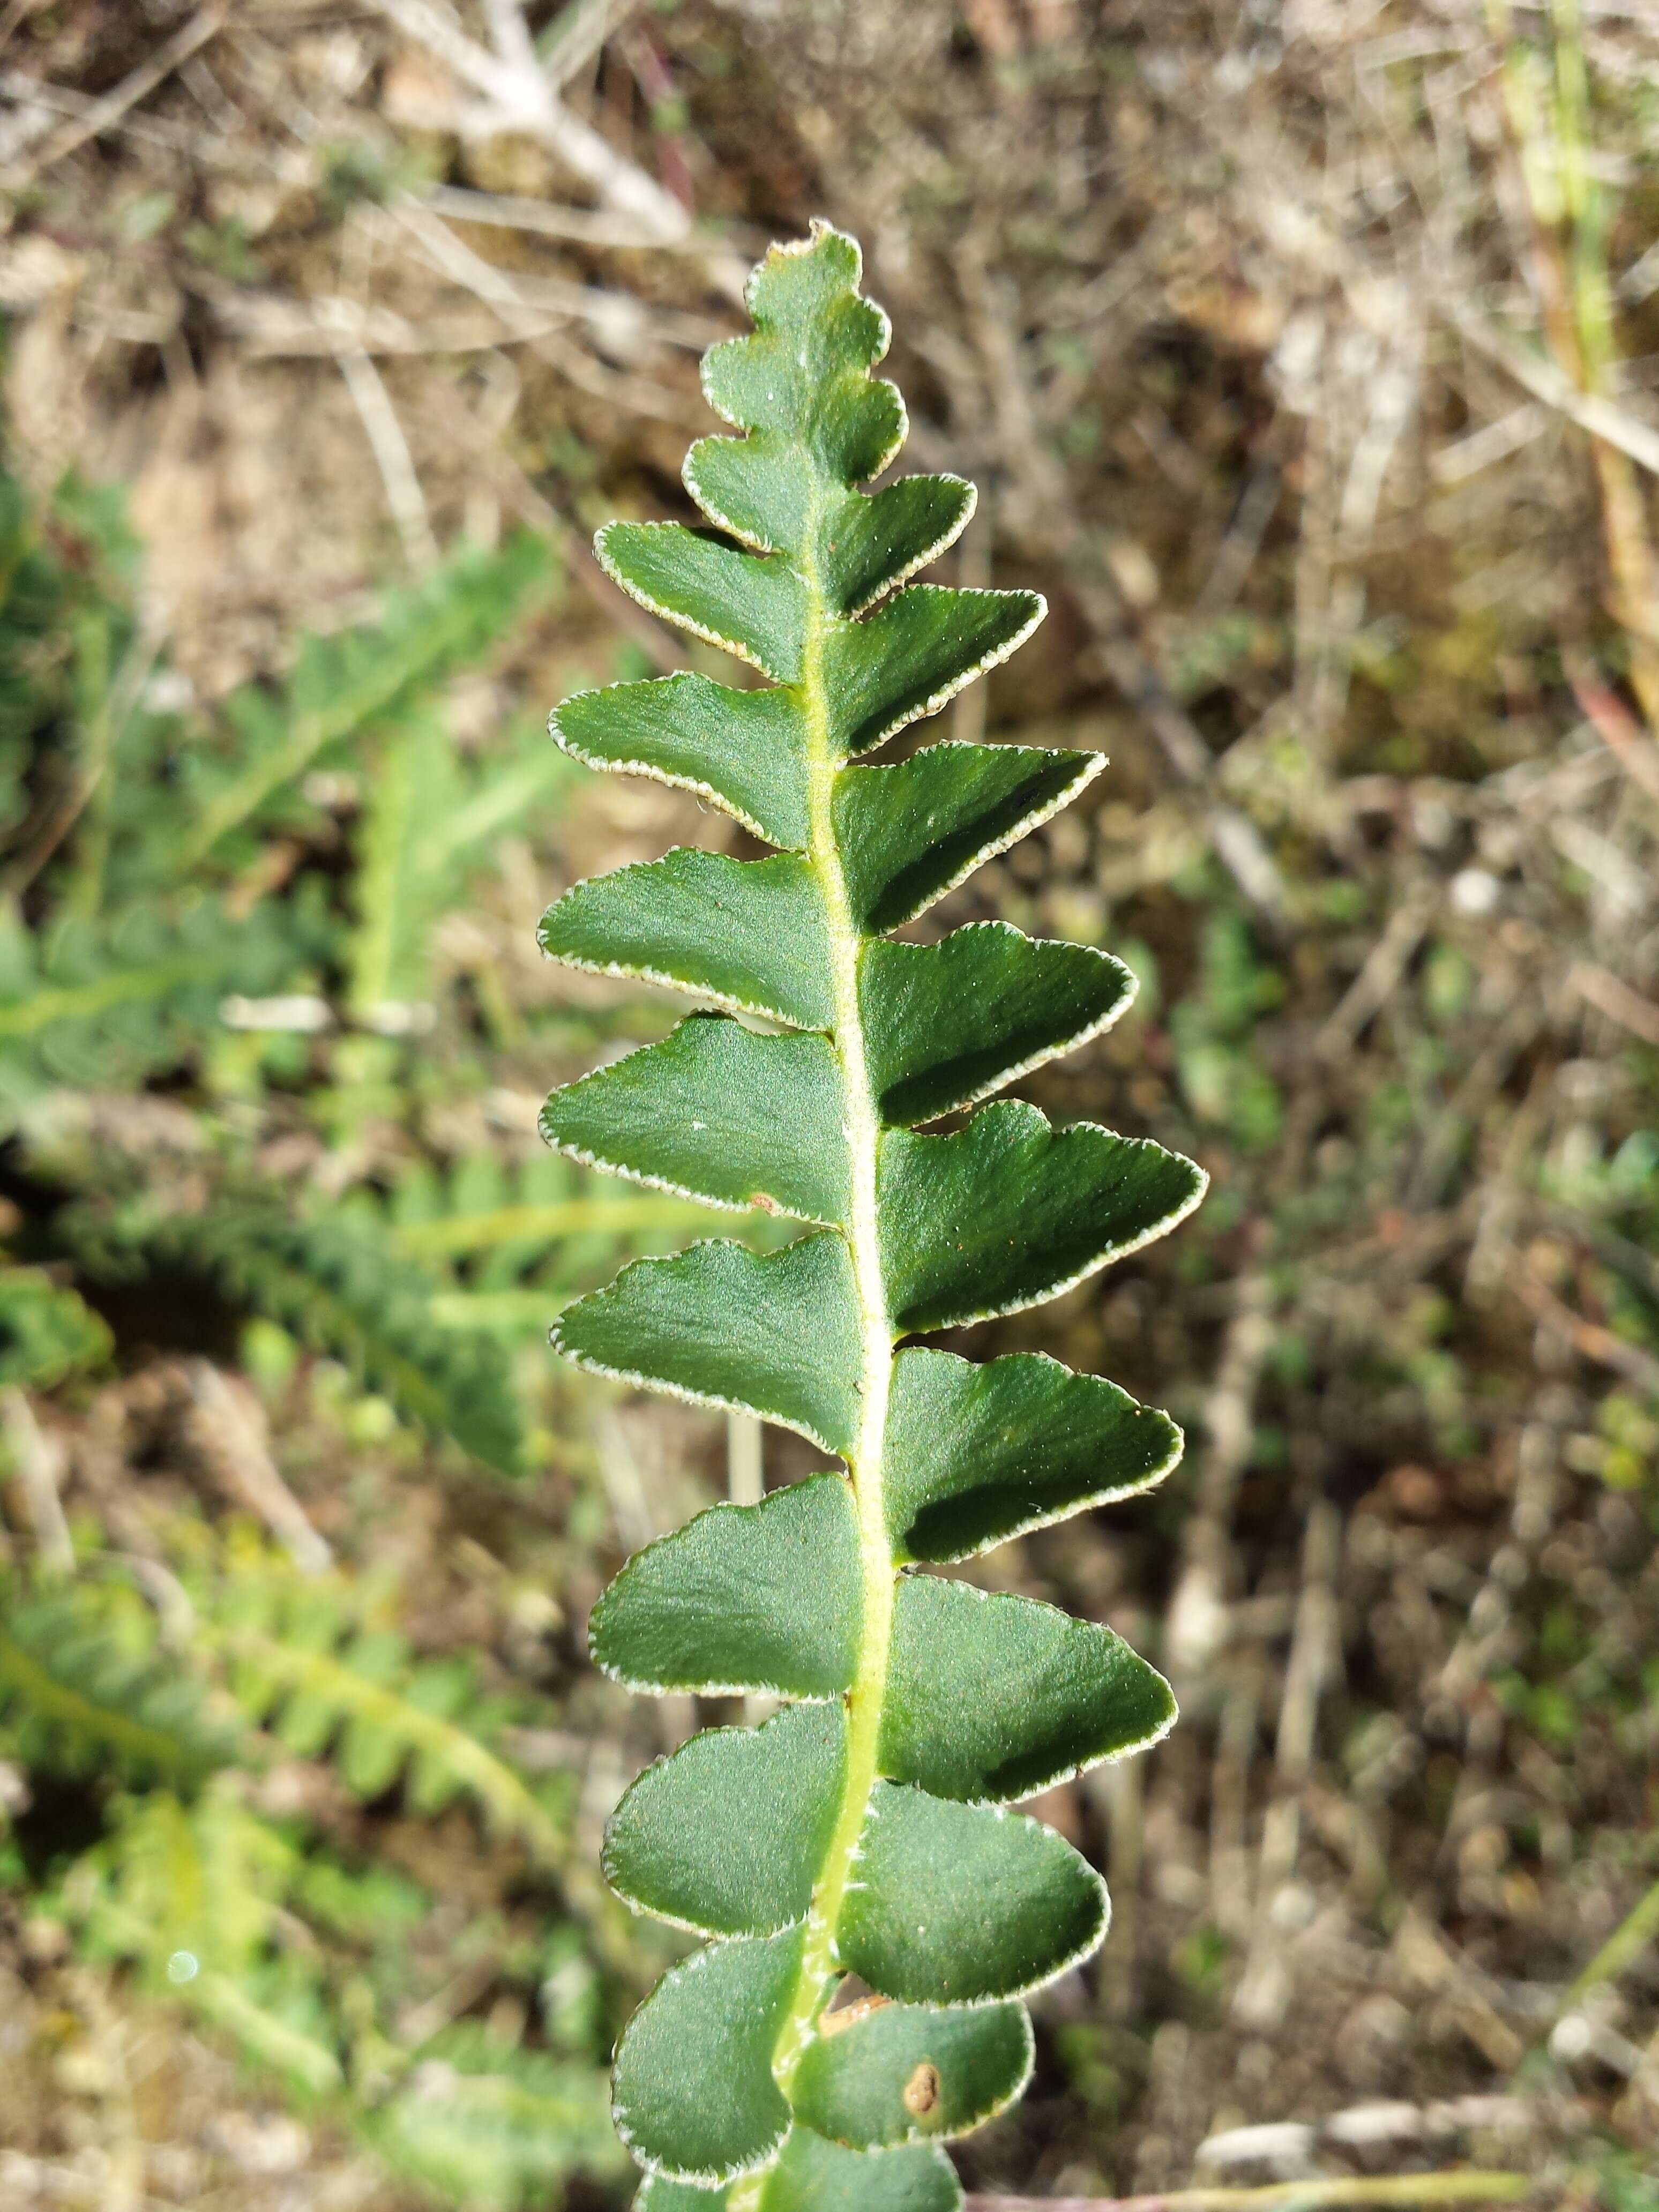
{"points": [[1305, 355]]}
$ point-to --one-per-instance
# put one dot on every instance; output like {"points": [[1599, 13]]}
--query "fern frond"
{"points": [[526, 1236], [192, 1893], [496, 2129], [430, 818], [301, 1662], [95, 1005], [80, 1697], [532, 1227], [505, 1219], [47, 1331], [342, 1288], [865, 1831], [343, 685]]}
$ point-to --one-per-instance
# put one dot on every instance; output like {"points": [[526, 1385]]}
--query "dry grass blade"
{"points": [[102, 114], [392, 458], [1328, 2195], [1601, 417]]}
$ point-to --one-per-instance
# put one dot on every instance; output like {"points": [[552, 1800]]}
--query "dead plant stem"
{"points": [[1472, 2186]]}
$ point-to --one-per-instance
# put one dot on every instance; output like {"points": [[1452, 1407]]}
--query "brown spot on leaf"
{"points": [[921, 2090]]}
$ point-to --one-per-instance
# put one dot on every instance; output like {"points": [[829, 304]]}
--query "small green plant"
{"points": [[252, 1923], [146, 938], [218, 925], [875, 1911]]}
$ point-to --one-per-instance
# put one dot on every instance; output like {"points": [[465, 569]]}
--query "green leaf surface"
{"points": [[947, 1023], [763, 490], [756, 606], [992, 1697], [869, 542], [857, 545], [800, 380], [717, 1112], [746, 750], [695, 2099], [743, 1597], [910, 833], [978, 1454], [1009, 1211], [726, 1836], [657, 2193], [915, 653], [961, 1903], [749, 934], [775, 1335], [812, 2175], [911, 2074]]}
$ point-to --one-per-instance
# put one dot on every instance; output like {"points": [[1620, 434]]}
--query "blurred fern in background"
{"points": [[220, 1020]]}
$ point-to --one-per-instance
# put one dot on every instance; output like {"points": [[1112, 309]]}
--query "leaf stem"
{"points": [[862, 1128]]}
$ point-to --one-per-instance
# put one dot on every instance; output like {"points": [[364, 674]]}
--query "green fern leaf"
{"points": [[813, 2174], [341, 686], [495, 2128], [94, 1005], [520, 1237], [865, 1831], [81, 1696], [191, 1894], [300, 1663], [341, 1287], [426, 821], [46, 1330]]}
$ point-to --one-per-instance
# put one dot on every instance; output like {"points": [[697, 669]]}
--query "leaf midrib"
{"points": [[818, 1964]]}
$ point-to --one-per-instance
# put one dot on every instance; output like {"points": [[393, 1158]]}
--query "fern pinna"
{"points": [[861, 1835]]}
